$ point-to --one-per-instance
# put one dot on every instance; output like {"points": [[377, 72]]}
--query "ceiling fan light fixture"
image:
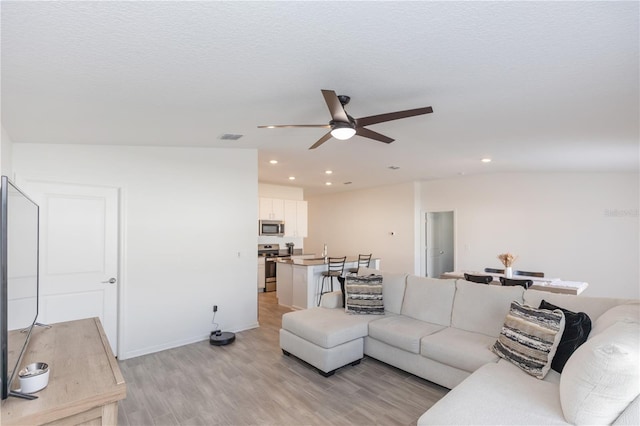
{"points": [[344, 127], [343, 131]]}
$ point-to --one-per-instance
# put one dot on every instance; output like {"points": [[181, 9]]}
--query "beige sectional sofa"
{"points": [[443, 331]]}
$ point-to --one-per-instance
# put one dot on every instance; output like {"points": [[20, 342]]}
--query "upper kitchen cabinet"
{"points": [[271, 209], [295, 218]]}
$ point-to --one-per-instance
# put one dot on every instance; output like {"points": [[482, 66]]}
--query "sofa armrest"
{"points": [[332, 300]]}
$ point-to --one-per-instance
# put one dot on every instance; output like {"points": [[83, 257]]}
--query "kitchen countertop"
{"points": [[300, 279], [316, 261]]}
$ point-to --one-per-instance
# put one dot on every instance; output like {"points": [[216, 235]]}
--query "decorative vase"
{"points": [[508, 272]]}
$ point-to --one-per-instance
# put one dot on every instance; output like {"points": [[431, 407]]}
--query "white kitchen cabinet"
{"points": [[295, 218], [271, 209], [301, 222], [261, 274]]}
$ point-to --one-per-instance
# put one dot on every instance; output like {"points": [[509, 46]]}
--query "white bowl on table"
{"points": [[34, 377]]}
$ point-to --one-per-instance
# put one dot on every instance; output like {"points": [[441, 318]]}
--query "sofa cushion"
{"points": [[530, 338], [429, 299], [364, 295], [393, 285], [592, 306], [481, 308], [332, 300], [461, 349], [577, 326], [602, 377], [326, 328], [629, 313], [498, 393], [402, 332]]}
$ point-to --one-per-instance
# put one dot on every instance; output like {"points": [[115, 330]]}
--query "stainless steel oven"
{"points": [[270, 253], [270, 273]]}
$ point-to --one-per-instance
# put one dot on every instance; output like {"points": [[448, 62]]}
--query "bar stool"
{"points": [[335, 268], [363, 260]]}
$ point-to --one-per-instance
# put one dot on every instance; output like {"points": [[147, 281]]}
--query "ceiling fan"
{"points": [[343, 126]]}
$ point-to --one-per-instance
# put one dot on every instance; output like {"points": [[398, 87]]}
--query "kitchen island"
{"points": [[299, 280]]}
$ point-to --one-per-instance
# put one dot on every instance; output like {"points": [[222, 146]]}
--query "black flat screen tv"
{"points": [[19, 279]]}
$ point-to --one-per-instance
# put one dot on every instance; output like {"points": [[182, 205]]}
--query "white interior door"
{"points": [[78, 253], [440, 243]]}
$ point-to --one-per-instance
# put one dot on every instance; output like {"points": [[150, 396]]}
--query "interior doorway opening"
{"points": [[439, 243]]}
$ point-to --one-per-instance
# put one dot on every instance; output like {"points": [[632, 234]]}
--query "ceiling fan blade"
{"points": [[321, 141], [366, 133], [326, 126], [374, 119], [335, 107]]}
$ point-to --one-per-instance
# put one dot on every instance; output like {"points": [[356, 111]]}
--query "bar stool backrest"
{"points": [[529, 274], [364, 260], [335, 265]]}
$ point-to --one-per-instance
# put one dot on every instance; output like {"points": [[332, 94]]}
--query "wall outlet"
{"points": [[215, 308]]}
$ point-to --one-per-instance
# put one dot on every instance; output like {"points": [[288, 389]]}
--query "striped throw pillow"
{"points": [[364, 295], [530, 337]]}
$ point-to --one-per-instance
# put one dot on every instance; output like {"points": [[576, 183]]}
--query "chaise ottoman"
{"points": [[325, 338]]}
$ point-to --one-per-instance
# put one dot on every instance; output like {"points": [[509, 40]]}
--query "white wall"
{"points": [[362, 221], [576, 226], [186, 214], [6, 150], [269, 190]]}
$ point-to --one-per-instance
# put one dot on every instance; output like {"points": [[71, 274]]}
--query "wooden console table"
{"points": [[85, 382]]}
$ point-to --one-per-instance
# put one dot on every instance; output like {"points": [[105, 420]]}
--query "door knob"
{"points": [[110, 281]]}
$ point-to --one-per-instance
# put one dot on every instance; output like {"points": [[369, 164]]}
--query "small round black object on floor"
{"points": [[221, 338]]}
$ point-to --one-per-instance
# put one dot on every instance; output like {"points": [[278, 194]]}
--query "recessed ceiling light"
{"points": [[274, 161], [328, 171], [486, 160], [328, 183], [292, 178]]}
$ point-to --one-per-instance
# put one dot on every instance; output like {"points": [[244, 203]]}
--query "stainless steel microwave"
{"points": [[271, 227]]}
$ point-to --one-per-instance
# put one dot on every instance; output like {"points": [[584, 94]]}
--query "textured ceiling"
{"points": [[536, 86]]}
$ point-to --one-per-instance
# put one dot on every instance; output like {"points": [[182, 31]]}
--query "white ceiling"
{"points": [[536, 86]]}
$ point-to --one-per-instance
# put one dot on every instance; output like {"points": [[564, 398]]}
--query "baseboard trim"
{"points": [[177, 343]]}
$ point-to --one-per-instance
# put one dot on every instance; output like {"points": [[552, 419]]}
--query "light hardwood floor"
{"points": [[250, 382]]}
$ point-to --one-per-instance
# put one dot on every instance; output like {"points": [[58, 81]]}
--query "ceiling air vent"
{"points": [[230, 137]]}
